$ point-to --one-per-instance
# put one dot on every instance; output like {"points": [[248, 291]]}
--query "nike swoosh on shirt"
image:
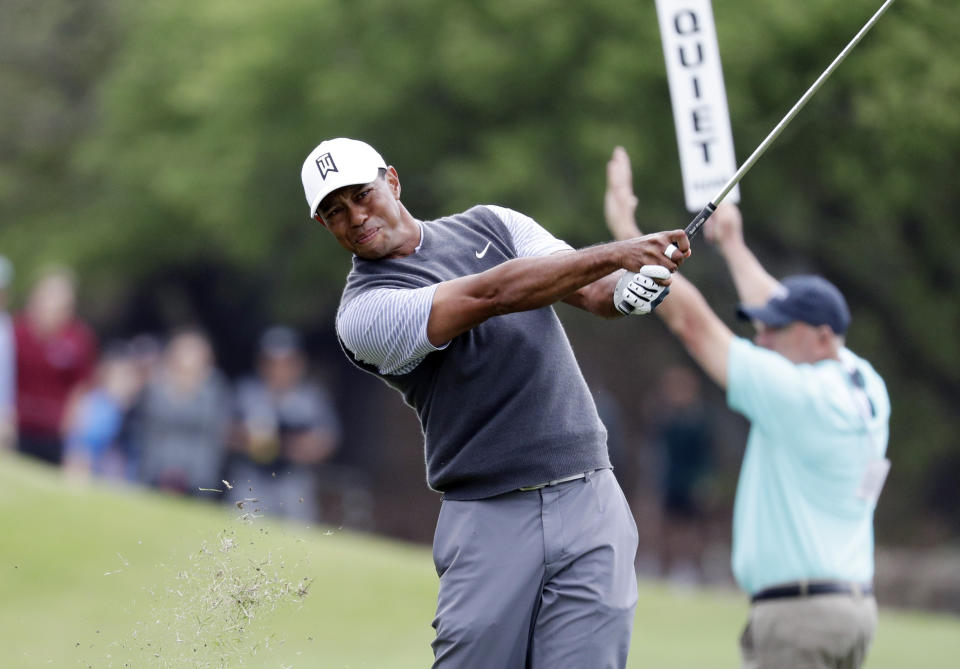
{"points": [[482, 253]]}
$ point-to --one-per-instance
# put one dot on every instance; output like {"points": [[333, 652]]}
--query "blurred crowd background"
{"points": [[156, 410], [171, 305]]}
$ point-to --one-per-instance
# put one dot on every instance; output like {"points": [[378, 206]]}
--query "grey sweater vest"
{"points": [[505, 404]]}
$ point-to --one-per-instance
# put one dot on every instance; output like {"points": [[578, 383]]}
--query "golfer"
{"points": [[814, 464], [535, 544]]}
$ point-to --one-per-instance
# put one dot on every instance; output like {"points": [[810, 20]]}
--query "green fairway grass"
{"points": [[99, 576]]}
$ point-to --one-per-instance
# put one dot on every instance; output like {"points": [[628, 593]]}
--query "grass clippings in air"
{"points": [[214, 606]]}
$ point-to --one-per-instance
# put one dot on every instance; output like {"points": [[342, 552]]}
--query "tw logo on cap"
{"points": [[326, 165]]}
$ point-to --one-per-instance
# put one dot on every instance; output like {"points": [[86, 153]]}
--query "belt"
{"points": [[806, 589], [565, 479]]}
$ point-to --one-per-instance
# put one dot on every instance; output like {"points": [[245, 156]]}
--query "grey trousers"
{"points": [[819, 632], [541, 579]]}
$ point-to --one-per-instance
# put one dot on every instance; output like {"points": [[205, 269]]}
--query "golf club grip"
{"points": [[693, 229]]}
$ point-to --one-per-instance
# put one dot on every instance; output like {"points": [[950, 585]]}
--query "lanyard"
{"points": [[875, 474]]}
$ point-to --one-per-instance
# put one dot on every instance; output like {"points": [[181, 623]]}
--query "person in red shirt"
{"points": [[56, 353]]}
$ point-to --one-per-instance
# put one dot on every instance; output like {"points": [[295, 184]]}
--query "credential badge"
{"points": [[326, 165]]}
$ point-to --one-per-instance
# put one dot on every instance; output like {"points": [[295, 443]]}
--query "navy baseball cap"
{"points": [[806, 298]]}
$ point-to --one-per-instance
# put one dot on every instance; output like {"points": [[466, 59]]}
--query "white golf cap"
{"points": [[336, 163]]}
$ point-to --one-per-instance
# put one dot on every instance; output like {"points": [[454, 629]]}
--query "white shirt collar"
{"points": [[420, 225]]}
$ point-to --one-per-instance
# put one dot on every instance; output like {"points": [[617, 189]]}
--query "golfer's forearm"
{"points": [[585, 278], [754, 285], [531, 283], [520, 284], [597, 297]]}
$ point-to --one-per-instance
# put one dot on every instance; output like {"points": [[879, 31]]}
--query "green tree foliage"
{"points": [[205, 110], [53, 53]]}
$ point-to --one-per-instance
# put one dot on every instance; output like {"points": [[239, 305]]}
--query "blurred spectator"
{"points": [[7, 361], [56, 353], [285, 427], [683, 435], [183, 414], [146, 354], [92, 444]]}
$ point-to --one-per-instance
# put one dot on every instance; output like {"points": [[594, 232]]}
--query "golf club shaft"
{"points": [[694, 227]]}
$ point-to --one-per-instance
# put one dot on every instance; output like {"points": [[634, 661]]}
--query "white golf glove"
{"points": [[638, 294]]}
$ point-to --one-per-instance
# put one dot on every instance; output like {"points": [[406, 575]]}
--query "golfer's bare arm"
{"points": [[684, 311], [522, 284], [597, 297]]}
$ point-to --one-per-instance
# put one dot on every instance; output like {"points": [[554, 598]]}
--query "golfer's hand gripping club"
{"points": [[693, 228], [638, 293]]}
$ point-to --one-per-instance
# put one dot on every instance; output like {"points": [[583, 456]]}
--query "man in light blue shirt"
{"points": [[800, 512], [814, 464]]}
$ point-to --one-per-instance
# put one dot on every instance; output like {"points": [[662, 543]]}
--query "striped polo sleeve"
{"points": [[387, 327]]}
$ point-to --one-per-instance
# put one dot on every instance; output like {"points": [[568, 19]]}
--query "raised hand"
{"points": [[619, 201]]}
